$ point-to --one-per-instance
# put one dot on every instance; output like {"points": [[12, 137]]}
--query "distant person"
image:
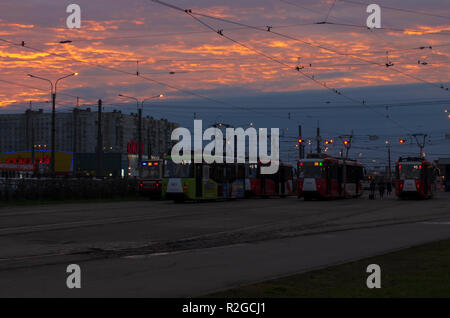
{"points": [[388, 188], [372, 187], [381, 189]]}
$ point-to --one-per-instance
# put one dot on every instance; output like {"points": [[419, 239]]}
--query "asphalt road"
{"points": [[162, 249]]}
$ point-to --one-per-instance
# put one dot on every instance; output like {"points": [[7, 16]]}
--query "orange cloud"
{"points": [[5, 103], [423, 29]]}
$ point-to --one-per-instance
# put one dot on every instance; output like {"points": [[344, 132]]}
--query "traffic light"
{"points": [[346, 142], [300, 140], [402, 141], [327, 142]]}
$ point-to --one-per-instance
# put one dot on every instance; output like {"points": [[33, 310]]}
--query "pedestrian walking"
{"points": [[372, 187], [389, 188], [381, 189]]}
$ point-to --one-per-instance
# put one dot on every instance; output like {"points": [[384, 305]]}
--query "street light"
{"points": [[53, 88], [140, 124]]}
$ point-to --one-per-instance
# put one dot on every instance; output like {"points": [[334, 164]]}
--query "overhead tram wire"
{"points": [[191, 13], [69, 41], [134, 74], [385, 28], [399, 9], [301, 72], [329, 10], [349, 24]]}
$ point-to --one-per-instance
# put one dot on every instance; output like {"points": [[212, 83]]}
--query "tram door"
{"points": [[340, 178], [283, 173], [263, 181], [199, 180], [328, 175]]}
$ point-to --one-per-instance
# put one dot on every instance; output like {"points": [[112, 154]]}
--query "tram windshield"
{"points": [[410, 171], [174, 170], [151, 172], [311, 170]]}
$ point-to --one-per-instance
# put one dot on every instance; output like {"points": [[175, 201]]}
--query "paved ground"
{"points": [[161, 249]]}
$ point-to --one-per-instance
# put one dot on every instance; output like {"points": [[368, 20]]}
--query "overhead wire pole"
{"points": [[99, 141], [301, 147], [149, 142], [422, 143], [388, 145], [31, 123], [347, 142], [318, 139], [140, 143], [53, 89]]}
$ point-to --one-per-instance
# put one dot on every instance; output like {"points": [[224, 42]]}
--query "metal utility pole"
{"points": [[99, 141], [347, 142], [53, 159], [420, 143], [140, 126], [318, 140], [53, 137], [301, 147], [149, 144], [388, 145], [32, 136], [74, 150], [140, 140]]}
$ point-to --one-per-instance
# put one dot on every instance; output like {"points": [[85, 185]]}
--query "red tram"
{"points": [[324, 177], [415, 177], [266, 185]]}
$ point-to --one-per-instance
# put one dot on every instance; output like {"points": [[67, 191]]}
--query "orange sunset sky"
{"points": [[157, 41]]}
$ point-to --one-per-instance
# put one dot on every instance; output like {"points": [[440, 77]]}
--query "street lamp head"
{"points": [[30, 75], [75, 74], [161, 95]]}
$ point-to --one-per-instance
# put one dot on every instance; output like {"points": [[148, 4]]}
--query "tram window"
{"points": [[231, 172], [332, 172], [205, 172], [309, 170], [409, 171], [151, 172], [173, 170], [241, 171], [217, 172]]}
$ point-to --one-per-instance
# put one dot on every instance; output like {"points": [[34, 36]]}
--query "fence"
{"points": [[66, 189]]}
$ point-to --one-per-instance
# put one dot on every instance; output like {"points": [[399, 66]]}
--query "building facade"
{"points": [[76, 133]]}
